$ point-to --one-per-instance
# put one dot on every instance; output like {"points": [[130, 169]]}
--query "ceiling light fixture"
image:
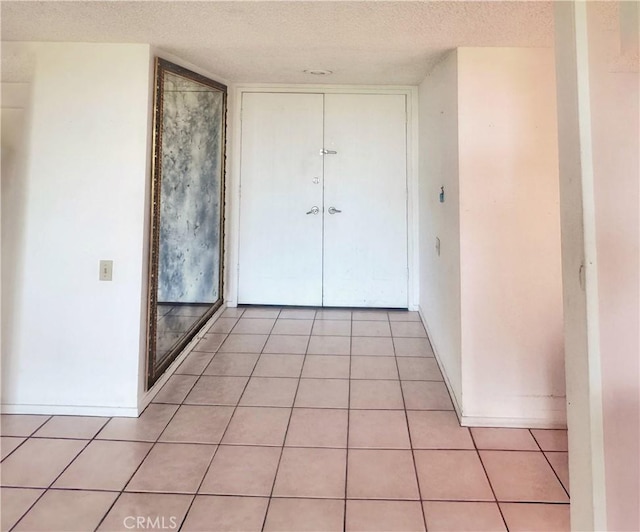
{"points": [[318, 72]]}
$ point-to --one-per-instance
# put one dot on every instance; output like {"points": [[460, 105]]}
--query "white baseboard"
{"points": [[70, 410], [151, 393], [447, 381], [514, 423]]}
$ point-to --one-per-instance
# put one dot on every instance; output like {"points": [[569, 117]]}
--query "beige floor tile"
{"points": [[426, 395], [79, 427], [412, 347], [522, 476], [226, 514], [166, 510], [232, 313], [264, 312], [172, 467], [376, 395], [198, 424], [232, 364], [403, 315], [433, 429], [500, 439], [216, 390], [14, 503], [560, 464], [8, 444], [254, 326], [67, 511], [223, 325], [37, 462], [104, 465], [371, 346], [370, 328], [311, 473], [305, 515], [384, 516], [20, 425], [536, 517], [370, 315], [269, 391], [244, 343], [257, 426], [317, 427], [326, 367], [210, 343], [195, 363], [374, 367], [297, 314], [408, 329], [329, 345], [378, 429], [551, 440], [287, 344], [279, 366], [332, 328], [333, 314], [301, 327], [240, 470], [176, 389], [452, 475], [147, 427], [419, 369], [323, 393], [447, 516], [381, 474]]}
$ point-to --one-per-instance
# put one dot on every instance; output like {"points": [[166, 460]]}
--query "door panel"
{"points": [[365, 245], [280, 256]]}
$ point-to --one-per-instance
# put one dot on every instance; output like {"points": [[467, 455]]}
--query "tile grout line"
{"points": [[550, 464], [235, 408], [406, 419], [286, 431], [346, 464], [495, 498]]}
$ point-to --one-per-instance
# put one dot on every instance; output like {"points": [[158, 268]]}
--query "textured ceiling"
{"points": [[369, 42]]}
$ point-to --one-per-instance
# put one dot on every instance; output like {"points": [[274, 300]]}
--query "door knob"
{"points": [[333, 210], [314, 210]]}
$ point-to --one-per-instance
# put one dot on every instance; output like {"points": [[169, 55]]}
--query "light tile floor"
{"points": [[288, 419]]}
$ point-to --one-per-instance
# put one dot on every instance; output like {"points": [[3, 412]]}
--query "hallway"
{"points": [[288, 419]]}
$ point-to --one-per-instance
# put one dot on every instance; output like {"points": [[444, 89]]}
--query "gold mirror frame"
{"points": [[156, 368]]}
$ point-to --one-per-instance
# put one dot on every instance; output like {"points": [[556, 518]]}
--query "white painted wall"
{"points": [[73, 344], [492, 300], [512, 343], [440, 274]]}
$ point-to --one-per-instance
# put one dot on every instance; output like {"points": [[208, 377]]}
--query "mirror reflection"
{"points": [[186, 253]]}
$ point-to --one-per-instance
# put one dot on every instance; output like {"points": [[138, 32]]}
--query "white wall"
{"points": [[440, 274], [72, 343], [492, 301], [614, 87], [512, 343]]}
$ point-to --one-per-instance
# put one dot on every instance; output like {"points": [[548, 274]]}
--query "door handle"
{"points": [[333, 210], [328, 152], [314, 210]]}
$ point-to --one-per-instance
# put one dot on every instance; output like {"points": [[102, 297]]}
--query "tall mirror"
{"points": [[185, 267]]}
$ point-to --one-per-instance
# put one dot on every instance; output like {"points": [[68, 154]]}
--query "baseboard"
{"points": [[70, 410], [447, 381], [513, 423], [151, 393]]}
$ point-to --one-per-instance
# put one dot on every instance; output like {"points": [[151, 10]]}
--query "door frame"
{"points": [[234, 153]]}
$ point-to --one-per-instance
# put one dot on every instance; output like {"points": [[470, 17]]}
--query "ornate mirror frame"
{"points": [[157, 366]]}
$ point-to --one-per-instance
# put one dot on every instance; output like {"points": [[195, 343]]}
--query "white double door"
{"points": [[323, 200]]}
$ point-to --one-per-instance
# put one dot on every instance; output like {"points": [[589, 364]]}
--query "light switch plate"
{"points": [[106, 270]]}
